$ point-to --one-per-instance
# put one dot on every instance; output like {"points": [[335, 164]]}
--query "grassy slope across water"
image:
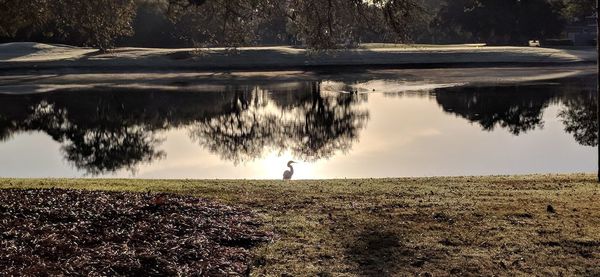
{"points": [[22, 56], [388, 227]]}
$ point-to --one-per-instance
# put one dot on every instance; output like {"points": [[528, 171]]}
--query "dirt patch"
{"points": [[66, 232]]}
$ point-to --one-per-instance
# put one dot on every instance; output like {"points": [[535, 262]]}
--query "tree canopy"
{"points": [[87, 23], [577, 10], [316, 24], [501, 21]]}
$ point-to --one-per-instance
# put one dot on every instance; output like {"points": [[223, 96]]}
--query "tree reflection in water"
{"points": [[579, 117], [519, 109], [97, 141], [103, 131], [106, 131], [310, 124]]}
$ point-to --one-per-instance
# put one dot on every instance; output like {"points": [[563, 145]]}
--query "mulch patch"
{"points": [[94, 233]]}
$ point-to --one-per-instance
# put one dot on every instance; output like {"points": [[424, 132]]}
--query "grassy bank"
{"points": [[25, 56], [543, 225]]}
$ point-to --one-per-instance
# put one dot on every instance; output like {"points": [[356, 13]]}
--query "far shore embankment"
{"points": [[25, 56]]}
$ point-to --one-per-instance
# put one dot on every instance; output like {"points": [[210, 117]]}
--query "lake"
{"points": [[335, 124]]}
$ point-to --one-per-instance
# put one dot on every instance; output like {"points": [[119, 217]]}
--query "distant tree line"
{"points": [[94, 23], [507, 21], [102, 23], [318, 24]]}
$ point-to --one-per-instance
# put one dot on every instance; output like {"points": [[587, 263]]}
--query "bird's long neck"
{"points": [[291, 168]]}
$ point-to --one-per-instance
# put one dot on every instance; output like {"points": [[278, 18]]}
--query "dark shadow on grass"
{"points": [[381, 253]]}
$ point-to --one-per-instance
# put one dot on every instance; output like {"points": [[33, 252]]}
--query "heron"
{"points": [[287, 175]]}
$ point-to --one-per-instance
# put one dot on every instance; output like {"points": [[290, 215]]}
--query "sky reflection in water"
{"points": [[251, 131]]}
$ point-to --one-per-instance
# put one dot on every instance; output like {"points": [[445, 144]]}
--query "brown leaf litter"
{"points": [[95, 233]]}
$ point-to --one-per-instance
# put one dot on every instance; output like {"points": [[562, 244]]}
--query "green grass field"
{"points": [[541, 224]]}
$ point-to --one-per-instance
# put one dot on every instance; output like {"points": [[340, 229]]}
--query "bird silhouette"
{"points": [[287, 175]]}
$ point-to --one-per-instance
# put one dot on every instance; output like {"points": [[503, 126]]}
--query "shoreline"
{"points": [[26, 56], [449, 178], [193, 81]]}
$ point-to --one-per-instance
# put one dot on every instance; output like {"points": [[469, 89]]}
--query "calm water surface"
{"points": [[336, 129]]}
